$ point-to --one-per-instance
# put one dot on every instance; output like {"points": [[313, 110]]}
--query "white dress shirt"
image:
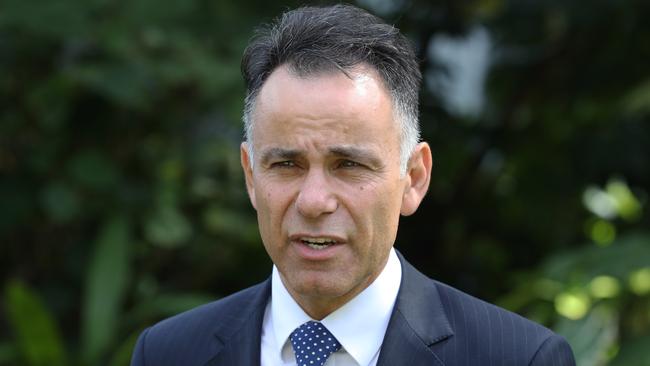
{"points": [[359, 325]]}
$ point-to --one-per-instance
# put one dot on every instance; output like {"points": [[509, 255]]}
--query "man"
{"points": [[331, 160]]}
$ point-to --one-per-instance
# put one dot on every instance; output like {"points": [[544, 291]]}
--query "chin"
{"points": [[320, 286]]}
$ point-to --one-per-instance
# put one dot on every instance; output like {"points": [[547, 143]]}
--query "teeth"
{"points": [[318, 243], [317, 246]]}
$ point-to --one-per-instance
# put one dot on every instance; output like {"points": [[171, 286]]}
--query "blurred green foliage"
{"points": [[122, 200]]}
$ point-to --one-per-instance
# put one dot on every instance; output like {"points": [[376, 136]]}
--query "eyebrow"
{"points": [[355, 153], [278, 153], [346, 152]]}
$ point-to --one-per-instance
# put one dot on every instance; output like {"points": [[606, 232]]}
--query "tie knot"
{"points": [[313, 344]]}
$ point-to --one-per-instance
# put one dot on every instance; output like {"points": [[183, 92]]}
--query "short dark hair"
{"points": [[311, 40]]}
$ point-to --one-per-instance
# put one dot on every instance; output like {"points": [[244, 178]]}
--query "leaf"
{"points": [[221, 221], [637, 101], [167, 305], [122, 356], [93, 170], [124, 84], [52, 19], [156, 307], [8, 354], [592, 336], [107, 280], [619, 259], [38, 338], [168, 228], [633, 352], [60, 202]]}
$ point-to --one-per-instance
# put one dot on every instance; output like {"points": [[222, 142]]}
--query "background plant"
{"points": [[122, 200]]}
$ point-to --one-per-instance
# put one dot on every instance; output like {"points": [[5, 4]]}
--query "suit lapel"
{"points": [[418, 321], [240, 334]]}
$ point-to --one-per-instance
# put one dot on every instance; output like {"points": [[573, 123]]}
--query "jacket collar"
{"points": [[418, 321], [239, 333]]}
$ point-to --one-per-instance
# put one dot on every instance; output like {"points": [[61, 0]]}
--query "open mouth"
{"points": [[318, 243]]}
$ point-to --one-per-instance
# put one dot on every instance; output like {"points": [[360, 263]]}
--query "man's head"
{"points": [[327, 179], [314, 40]]}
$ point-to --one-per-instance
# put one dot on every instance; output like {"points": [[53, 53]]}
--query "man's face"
{"points": [[325, 182]]}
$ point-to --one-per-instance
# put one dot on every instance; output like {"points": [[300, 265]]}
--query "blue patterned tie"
{"points": [[313, 344]]}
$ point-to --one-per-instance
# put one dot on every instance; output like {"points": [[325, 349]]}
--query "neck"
{"points": [[318, 306]]}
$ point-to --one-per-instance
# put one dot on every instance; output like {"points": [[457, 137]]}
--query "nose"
{"points": [[316, 197]]}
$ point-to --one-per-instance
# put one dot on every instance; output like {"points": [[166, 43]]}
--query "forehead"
{"points": [[335, 105]]}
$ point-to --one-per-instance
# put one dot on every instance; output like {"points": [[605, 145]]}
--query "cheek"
{"points": [[374, 207], [272, 204], [385, 211], [383, 197], [269, 220]]}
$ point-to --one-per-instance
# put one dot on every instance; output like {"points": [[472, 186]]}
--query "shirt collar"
{"points": [[359, 325]]}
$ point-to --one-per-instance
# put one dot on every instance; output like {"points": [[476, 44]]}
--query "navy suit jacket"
{"points": [[431, 324]]}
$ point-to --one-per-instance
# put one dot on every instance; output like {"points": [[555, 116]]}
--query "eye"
{"points": [[349, 164], [283, 164]]}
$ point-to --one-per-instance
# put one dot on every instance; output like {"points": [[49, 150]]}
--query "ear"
{"points": [[418, 176], [247, 165]]}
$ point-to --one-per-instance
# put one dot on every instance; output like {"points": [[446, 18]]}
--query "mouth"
{"points": [[318, 243]]}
